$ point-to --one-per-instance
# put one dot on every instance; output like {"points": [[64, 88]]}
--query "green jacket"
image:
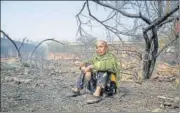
{"points": [[107, 62]]}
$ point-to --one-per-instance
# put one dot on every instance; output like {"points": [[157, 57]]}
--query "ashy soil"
{"points": [[44, 87]]}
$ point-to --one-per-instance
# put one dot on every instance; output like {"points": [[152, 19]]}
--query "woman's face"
{"points": [[101, 48]]}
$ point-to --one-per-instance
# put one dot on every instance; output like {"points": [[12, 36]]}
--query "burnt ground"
{"points": [[44, 89]]}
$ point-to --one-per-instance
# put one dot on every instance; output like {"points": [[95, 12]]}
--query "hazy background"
{"points": [[38, 20]]}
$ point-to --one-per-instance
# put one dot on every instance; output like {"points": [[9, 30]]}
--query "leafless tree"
{"points": [[148, 16], [41, 43], [22, 43], [19, 54]]}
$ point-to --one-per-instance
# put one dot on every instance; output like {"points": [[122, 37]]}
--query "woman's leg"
{"points": [[82, 80], [101, 83]]}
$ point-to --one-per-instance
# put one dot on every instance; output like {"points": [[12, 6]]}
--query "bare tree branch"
{"points": [[85, 16], [109, 18], [163, 18], [116, 32], [115, 13], [160, 51], [79, 28], [166, 21], [146, 37], [124, 13], [112, 29], [22, 43], [106, 26], [160, 8], [81, 9], [131, 51], [41, 43], [19, 54], [154, 6], [147, 9]]}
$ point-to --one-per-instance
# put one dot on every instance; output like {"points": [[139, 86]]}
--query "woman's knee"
{"points": [[88, 75]]}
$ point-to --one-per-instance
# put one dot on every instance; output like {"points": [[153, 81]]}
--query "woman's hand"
{"points": [[83, 68], [88, 68]]}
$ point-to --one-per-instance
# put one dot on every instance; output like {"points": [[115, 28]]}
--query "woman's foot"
{"points": [[91, 99], [74, 92]]}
